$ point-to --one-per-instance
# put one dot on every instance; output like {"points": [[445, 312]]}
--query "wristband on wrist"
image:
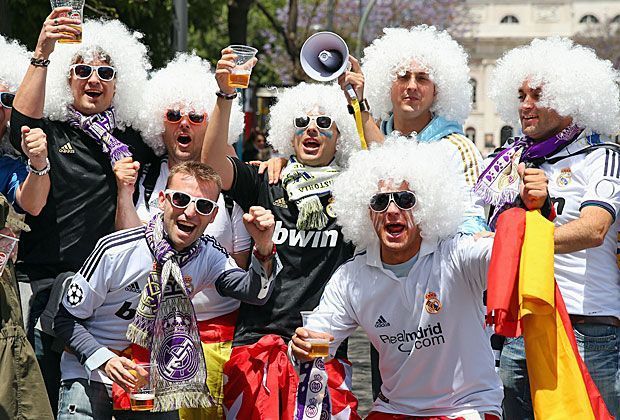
{"points": [[39, 62], [264, 258], [227, 96], [38, 172], [364, 106]]}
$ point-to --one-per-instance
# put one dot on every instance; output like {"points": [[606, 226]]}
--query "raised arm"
{"points": [[126, 172], [355, 78], [31, 195], [216, 149], [30, 97]]}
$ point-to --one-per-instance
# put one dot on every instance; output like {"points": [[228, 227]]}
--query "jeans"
{"points": [[80, 400], [599, 346]]}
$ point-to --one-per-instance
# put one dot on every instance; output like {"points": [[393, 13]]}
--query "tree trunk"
{"points": [[238, 21]]}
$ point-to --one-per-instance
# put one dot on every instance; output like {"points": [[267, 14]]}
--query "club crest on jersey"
{"points": [[564, 178], [187, 280], [329, 209], [432, 303]]}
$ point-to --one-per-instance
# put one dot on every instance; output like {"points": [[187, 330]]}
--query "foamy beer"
{"points": [[142, 396], [77, 12], [318, 322], [240, 75]]}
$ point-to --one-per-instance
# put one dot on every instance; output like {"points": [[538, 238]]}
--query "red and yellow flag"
{"points": [[523, 298]]}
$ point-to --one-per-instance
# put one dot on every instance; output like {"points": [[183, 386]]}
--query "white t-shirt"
{"points": [[434, 354], [227, 229], [106, 291], [589, 279]]}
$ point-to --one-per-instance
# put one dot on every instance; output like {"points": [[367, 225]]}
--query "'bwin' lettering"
{"points": [[303, 238]]}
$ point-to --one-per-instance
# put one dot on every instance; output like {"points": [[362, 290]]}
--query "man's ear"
{"points": [[161, 200]]}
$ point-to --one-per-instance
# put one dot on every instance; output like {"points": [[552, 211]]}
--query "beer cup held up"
{"points": [[318, 322], [240, 75], [77, 12]]}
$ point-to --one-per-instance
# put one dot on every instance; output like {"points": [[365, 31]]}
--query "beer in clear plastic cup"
{"points": [[142, 396], [77, 12], [240, 74], [317, 322]]}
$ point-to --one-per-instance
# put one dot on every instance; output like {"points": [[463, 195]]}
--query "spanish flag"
{"points": [[524, 299]]}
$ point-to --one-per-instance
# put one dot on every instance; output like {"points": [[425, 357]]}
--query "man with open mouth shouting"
{"points": [[415, 284], [136, 288], [310, 124], [176, 107]]}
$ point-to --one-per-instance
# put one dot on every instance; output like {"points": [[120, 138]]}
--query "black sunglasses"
{"points": [[6, 99], [84, 71], [181, 200], [322, 121], [175, 115], [404, 200]]}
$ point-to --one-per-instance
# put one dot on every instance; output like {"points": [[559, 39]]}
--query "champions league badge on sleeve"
{"points": [[75, 294]]}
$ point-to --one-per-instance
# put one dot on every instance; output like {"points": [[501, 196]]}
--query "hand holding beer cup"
{"points": [[312, 340], [58, 26], [76, 13], [118, 370], [142, 395], [233, 70]]}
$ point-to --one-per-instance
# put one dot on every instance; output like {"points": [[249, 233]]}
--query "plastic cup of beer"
{"points": [[318, 322], [239, 77], [77, 12], [7, 244], [142, 396]]}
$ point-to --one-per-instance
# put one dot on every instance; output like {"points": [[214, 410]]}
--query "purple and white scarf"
{"points": [[165, 323], [100, 127], [499, 183], [313, 400]]}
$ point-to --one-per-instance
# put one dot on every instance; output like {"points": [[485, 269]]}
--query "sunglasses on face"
{"points": [[322, 121], [404, 200], [84, 71], [175, 115], [181, 200], [6, 99]]}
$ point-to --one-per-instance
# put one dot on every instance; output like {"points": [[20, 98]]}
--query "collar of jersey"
{"points": [[373, 254]]}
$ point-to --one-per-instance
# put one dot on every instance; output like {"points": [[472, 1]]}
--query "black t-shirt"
{"points": [[309, 258], [81, 204]]}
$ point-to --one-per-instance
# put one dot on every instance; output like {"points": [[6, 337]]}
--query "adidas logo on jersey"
{"points": [[305, 238], [67, 148], [381, 322], [133, 287]]}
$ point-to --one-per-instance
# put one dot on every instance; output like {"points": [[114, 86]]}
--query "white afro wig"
{"points": [[100, 38], [574, 81], [298, 101], [440, 202], [436, 51], [186, 83], [15, 60]]}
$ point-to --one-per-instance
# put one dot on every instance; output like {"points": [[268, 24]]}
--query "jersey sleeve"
{"points": [[602, 187], [246, 184], [17, 121], [89, 287], [242, 240], [335, 311], [473, 258]]}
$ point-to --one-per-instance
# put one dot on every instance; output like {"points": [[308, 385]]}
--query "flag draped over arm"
{"points": [[524, 299]]}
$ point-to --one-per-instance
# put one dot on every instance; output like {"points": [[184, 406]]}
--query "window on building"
{"points": [[588, 19], [488, 140], [474, 87], [505, 133], [509, 19], [470, 133]]}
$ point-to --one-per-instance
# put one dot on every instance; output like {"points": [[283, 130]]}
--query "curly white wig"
{"points": [[15, 60], [574, 81], [127, 54], [186, 83], [440, 202], [436, 51], [298, 101]]}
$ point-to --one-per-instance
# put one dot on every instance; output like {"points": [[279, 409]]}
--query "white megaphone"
{"points": [[325, 56]]}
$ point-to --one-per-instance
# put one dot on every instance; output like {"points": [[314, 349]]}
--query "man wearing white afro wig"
{"points": [[567, 102], [176, 107], [415, 287], [416, 81], [308, 123], [85, 106]]}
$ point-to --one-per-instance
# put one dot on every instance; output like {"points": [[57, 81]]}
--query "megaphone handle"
{"points": [[350, 91]]}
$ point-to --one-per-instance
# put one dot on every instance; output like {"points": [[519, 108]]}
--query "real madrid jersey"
{"points": [[434, 354], [588, 279], [106, 291]]}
